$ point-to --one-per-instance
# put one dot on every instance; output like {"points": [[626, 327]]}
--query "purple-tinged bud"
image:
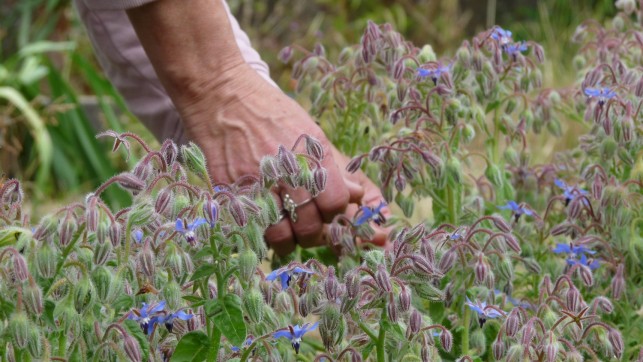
{"points": [[382, 278], [502, 225], [400, 183], [425, 350], [285, 54], [18, 329], [66, 229], [354, 164], [616, 341], [335, 233], [499, 348], [404, 300], [331, 285], [574, 299], [288, 161], [427, 250], [269, 167], [132, 349], [422, 265], [163, 200], [20, 270], [627, 129], [266, 291], [512, 323], [32, 295], [320, 176], [415, 321], [391, 309], [586, 275], [235, 207], [604, 304], [115, 234], [91, 212], [283, 303], [102, 253], [446, 340], [130, 182], [314, 148], [480, 270], [352, 281], [146, 260], [618, 282], [254, 305], [528, 334], [532, 265], [560, 229], [142, 170], [398, 70], [211, 211], [447, 260], [505, 268], [170, 152], [539, 52], [638, 90]]}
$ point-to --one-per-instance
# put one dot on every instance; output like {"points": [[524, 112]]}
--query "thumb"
{"points": [[355, 191]]}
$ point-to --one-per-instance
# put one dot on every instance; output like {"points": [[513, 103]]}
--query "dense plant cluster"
{"points": [[517, 261]]}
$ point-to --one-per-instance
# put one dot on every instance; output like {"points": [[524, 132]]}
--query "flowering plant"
{"points": [[514, 260]]}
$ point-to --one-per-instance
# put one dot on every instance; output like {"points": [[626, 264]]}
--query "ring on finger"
{"points": [[290, 207]]}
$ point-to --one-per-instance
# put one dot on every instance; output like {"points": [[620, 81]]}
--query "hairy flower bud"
{"points": [[130, 182], [236, 209], [586, 275], [288, 161], [618, 282], [269, 167], [331, 326], [66, 229], [574, 298], [102, 279], [32, 296], [512, 323], [254, 305], [495, 175], [446, 340], [499, 348], [505, 267], [114, 234], [331, 285], [391, 309], [195, 160], [83, 294], [163, 199], [283, 303], [102, 253], [34, 343], [404, 299], [320, 176], [20, 270], [170, 152], [132, 349], [141, 212], [415, 321], [382, 278], [248, 262], [352, 281], [146, 260], [447, 260], [266, 291], [18, 329], [616, 341], [481, 269]]}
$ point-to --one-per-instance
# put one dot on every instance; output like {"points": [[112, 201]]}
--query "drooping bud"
{"points": [[616, 341], [352, 281], [447, 260], [20, 270], [163, 200], [331, 285], [130, 182], [266, 291], [83, 294], [480, 270], [320, 176], [248, 262], [114, 234], [236, 209], [46, 260], [382, 279], [446, 340], [269, 167], [586, 275], [512, 323], [141, 212], [145, 260], [66, 229], [285, 54], [102, 279], [288, 161], [331, 326], [102, 253], [405, 299], [19, 329], [415, 321], [34, 343], [91, 212], [170, 152], [195, 160], [499, 348], [32, 295], [132, 349], [283, 303], [618, 282], [573, 298], [314, 148], [391, 309], [254, 305]]}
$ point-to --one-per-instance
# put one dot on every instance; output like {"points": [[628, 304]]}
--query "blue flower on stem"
{"points": [[484, 311], [603, 94], [285, 274], [434, 73], [295, 333], [516, 209], [188, 230], [570, 192], [515, 49], [168, 320], [246, 344], [502, 36], [592, 264], [367, 213], [574, 252], [147, 316]]}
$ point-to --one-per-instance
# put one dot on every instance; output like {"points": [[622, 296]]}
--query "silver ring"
{"points": [[290, 207]]}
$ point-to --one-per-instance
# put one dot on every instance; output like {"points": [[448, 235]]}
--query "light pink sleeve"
{"points": [[125, 63]]}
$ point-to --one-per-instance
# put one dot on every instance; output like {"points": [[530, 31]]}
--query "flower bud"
{"points": [[501, 224], [586, 275], [515, 353], [478, 340], [132, 349], [618, 282], [574, 299], [446, 340], [495, 175], [331, 285], [283, 303], [352, 281], [499, 348], [314, 148], [248, 262], [235, 207], [269, 167], [616, 341], [288, 161], [415, 321], [163, 200], [130, 182], [146, 260], [83, 294], [447, 260], [481, 270], [285, 54], [194, 160], [32, 296], [174, 261], [254, 306], [170, 152], [404, 299], [320, 176], [46, 261], [20, 270], [512, 323], [91, 212], [141, 212], [330, 326], [66, 229], [266, 291], [426, 349], [454, 170], [102, 253], [34, 343], [114, 234], [18, 329], [391, 309], [506, 268], [532, 265], [382, 278], [102, 279]]}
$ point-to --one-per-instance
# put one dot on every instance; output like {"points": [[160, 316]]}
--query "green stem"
{"points": [[128, 241], [381, 357], [466, 321], [451, 205], [364, 327], [62, 260], [62, 345]]}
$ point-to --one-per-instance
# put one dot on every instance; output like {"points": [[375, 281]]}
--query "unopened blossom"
{"points": [[295, 333], [367, 213], [484, 312]]}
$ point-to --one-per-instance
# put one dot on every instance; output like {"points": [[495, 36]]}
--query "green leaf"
{"points": [[193, 299], [194, 346], [203, 271], [48, 313], [228, 317], [123, 302], [135, 331]]}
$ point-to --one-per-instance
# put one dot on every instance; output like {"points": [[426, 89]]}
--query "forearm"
{"points": [[190, 43]]}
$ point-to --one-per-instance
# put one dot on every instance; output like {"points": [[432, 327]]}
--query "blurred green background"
{"points": [[54, 97]]}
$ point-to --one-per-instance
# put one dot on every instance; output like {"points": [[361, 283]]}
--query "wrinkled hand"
{"points": [[239, 122]]}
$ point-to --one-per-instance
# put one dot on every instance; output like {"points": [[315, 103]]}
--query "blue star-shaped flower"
{"points": [[502, 36], [483, 311], [592, 264], [188, 230], [285, 274], [570, 249], [603, 94], [433, 73], [246, 344], [168, 320], [295, 333], [371, 213], [516, 209], [147, 316], [570, 192], [515, 48]]}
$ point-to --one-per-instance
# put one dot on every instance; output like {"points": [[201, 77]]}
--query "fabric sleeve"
{"points": [[125, 63]]}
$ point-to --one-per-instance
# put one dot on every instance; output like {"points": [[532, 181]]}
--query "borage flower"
{"points": [[592, 264], [189, 230], [295, 333], [517, 209], [286, 273], [571, 249], [246, 344], [168, 320], [147, 316], [434, 73], [367, 213], [570, 192], [502, 36], [603, 94], [484, 311], [514, 49]]}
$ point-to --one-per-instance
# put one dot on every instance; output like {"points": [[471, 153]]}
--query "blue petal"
{"points": [[366, 215], [182, 315], [527, 212], [423, 72], [138, 235], [283, 333], [299, 269], [285, 279], [273, 275], [560, 184], [196, 223], [179, 226], [562, 248]]}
